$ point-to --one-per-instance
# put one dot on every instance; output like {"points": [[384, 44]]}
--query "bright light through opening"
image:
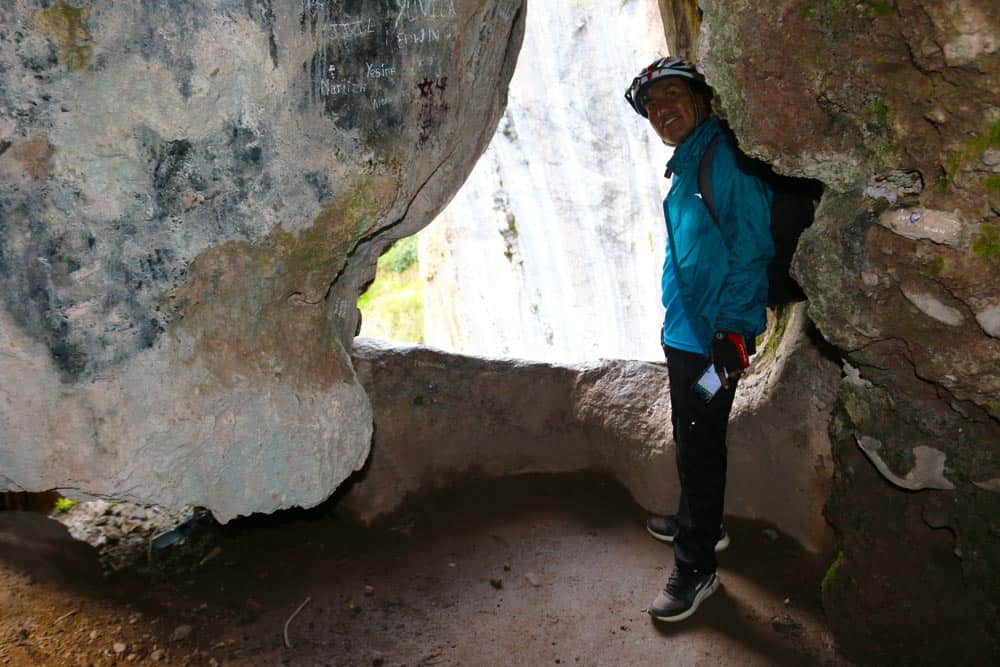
{"points": [[552, 250]]}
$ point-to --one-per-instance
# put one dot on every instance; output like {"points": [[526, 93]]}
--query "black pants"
{"points": [[700, 437]]}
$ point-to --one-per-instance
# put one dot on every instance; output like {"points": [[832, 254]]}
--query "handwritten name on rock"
{"points": [[329, 88], [375, 47], [380, 103], [406, 38], [412, 10], [382, 71], [350, 29]]}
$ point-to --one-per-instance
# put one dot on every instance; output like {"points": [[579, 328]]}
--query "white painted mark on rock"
{"points": [[938, 226], [382, 71], [411, 10]]}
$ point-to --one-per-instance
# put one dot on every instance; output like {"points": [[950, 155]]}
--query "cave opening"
{"points": [[558, 226], [551, 251]]}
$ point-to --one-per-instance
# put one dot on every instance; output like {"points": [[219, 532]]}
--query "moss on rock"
{"points": [[831, 573], [261, 311], [987, 244], [66, 25], [974, 148]]}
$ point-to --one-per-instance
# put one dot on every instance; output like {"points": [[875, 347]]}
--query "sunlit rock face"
{"points": [[895, 106], [191, 196], [552, 249]]}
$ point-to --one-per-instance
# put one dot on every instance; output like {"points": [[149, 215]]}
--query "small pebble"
{"points": [[118, 648], [369, 590], [181, 632], [214, 553]]}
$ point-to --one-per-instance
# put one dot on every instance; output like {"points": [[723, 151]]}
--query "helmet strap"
{"points": [[694, 104]]}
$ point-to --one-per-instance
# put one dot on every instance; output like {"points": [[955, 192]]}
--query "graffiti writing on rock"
{"points": [[368, 55], [433, 107], [380, 71], [406, 39], [415, 10], [351, 29]]}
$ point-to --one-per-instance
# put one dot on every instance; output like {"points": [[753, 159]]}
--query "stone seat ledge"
{"points": [[442, 418]]}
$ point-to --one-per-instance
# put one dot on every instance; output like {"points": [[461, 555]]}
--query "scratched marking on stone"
{"points": [[412, 10], [408, 38], [433, 108], [364, 53], [381, 71]]}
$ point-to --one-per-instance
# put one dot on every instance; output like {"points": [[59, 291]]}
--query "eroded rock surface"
{"points": [[442, 418], [192, 195]]}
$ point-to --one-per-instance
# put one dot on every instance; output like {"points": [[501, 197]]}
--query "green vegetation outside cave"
{"points": [[393, 306]]}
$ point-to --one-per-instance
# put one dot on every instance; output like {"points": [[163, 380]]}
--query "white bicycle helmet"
{"points": [[659, 69]]}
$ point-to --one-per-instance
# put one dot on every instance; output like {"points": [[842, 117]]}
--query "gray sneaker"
{"points": [[664, 528], [685, 590]]}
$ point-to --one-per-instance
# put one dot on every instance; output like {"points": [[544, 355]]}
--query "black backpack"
{"points": [[792, 210]]}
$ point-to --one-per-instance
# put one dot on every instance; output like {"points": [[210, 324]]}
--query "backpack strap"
{"points": [[705, 179], [707, 196]]}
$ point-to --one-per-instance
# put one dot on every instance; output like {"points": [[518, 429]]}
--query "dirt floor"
{"points": [[530, 571]]}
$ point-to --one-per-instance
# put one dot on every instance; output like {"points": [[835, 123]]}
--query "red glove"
{"points": [[729, 355]]}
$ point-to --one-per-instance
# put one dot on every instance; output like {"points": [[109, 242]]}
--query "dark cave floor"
{"points": [[527, 571]]}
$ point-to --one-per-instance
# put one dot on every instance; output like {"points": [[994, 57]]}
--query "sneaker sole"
{"points": [[705, 592], [660, 536], [719, 546]]}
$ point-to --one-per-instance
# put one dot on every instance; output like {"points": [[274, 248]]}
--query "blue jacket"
{"points": [[720, 269]]}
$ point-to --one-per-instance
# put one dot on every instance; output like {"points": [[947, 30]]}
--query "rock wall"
{"points": [[441, 418], [681, 26], [558, 227], [192, 195], [895, 107]]}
